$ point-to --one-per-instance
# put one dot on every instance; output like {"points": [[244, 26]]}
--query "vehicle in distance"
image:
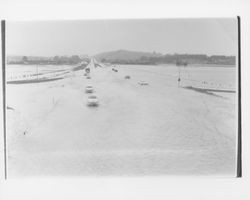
{"points": [[127, 77], [88, 77], [143, 83], [92, 101], [89, 89]]}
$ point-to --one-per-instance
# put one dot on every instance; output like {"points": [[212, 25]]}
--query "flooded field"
{"points": [[155, 128]]}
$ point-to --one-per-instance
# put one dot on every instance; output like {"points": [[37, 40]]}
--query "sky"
{"points": [[166, 36]]}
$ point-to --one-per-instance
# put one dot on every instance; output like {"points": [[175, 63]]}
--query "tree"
{"points": [[103, 60], [25, 59], [74, 59], [56, 58]]}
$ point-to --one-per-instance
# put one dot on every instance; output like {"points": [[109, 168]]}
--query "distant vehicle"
{"points": [[97, 65], [88, 77], [115, 70], [92, 101], [127, 77], [87, 70], [89, 89], [143, 83], [85, 74]]}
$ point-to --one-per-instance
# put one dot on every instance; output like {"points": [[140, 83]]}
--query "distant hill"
{"points": [[148, 58], [125, 55]]}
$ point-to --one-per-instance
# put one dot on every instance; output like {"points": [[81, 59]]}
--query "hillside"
{"points": [[148, 58], [125, 55]]}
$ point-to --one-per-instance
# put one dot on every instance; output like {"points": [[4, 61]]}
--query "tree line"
{"points": [[56, 60], [178, 59]]}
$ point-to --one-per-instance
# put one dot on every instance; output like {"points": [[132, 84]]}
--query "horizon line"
{"points": [[136, 51]]}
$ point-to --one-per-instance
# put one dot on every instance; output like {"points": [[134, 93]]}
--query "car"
{"points": [[92, 101], [143, 83], [88, 77], [127, 77], [89, 89]]}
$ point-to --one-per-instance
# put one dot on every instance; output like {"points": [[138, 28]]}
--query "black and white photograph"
{"points": [[122, 97]]}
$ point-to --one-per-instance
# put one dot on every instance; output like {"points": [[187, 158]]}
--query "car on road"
{"points": [[127, 77], [88, 77], [143, 83], [92, 101], [89, 89]]}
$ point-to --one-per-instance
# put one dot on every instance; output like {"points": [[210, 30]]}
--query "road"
{"points": [[158, 129]]}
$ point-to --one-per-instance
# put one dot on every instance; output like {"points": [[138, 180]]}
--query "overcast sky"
{"points": [[50, 38]]}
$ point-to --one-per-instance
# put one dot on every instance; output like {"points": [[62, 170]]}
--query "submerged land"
{"points": [[159, 128]]}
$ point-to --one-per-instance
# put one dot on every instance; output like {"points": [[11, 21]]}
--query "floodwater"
{"points": [[154, 129]]}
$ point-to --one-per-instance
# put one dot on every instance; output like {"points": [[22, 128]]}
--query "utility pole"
{"points": [[179, 76], [36, 73]]}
